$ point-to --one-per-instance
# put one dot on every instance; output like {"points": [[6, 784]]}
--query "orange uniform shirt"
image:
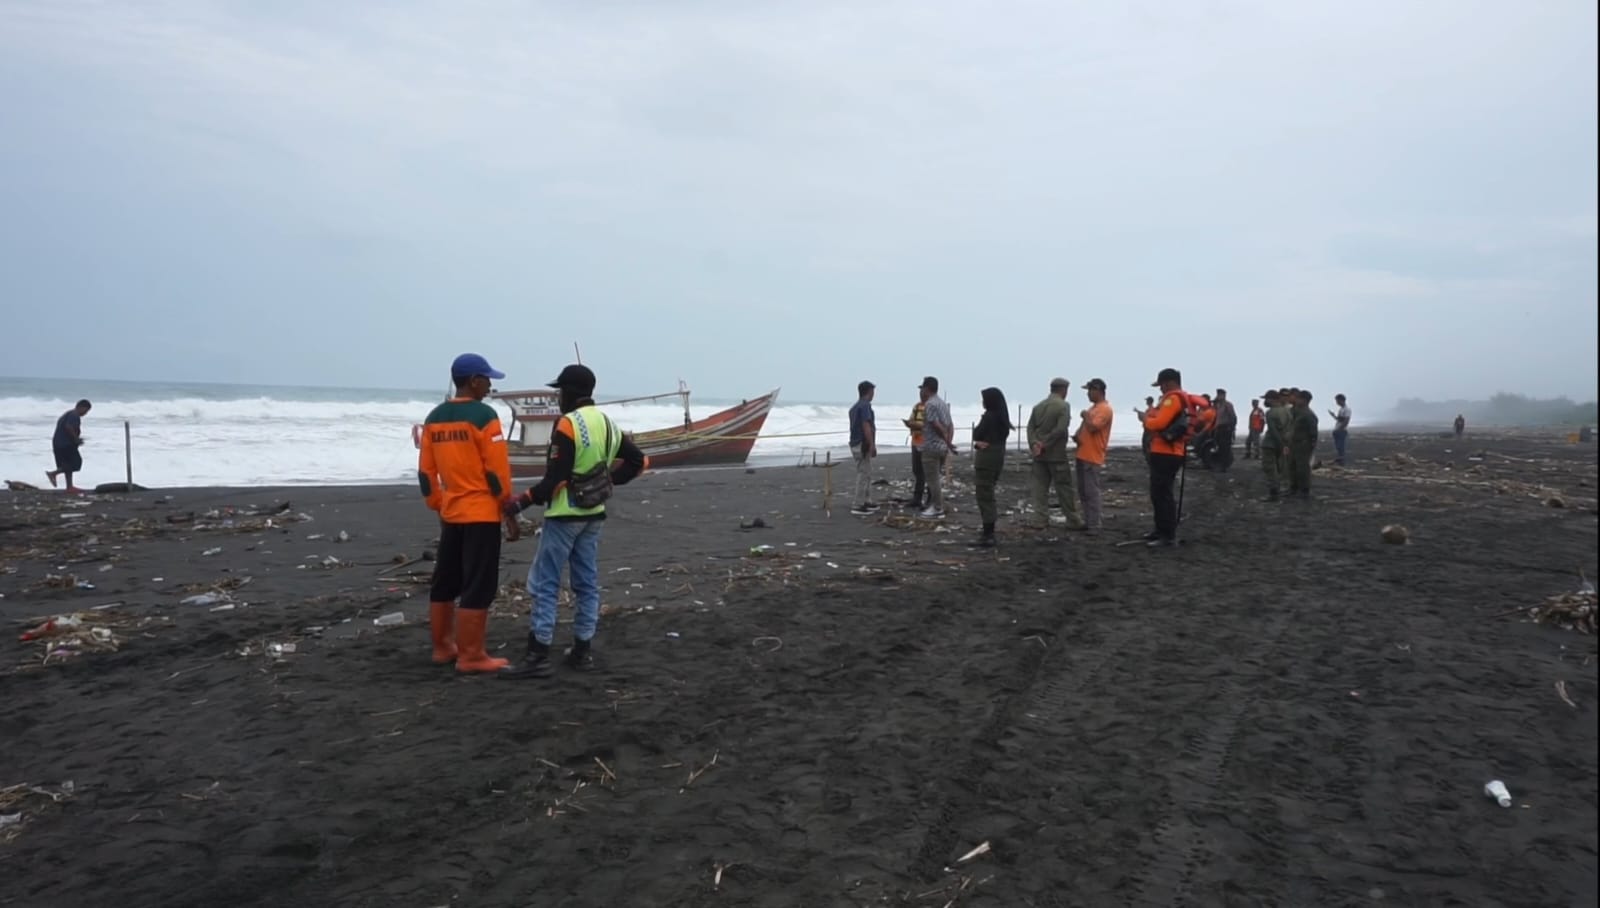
{"points": [[464, 468], [1094, 433]]}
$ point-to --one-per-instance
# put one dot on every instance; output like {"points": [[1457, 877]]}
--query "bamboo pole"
{"points": [[127, 451], [827, 485]]}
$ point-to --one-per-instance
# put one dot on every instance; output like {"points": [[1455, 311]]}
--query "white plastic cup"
{"points": [[1497, 790]]}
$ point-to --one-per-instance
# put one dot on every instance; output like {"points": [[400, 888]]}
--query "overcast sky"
{"points": [[1383, 198]]}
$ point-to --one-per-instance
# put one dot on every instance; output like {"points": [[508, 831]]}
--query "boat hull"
{"points": [[721, 439]]}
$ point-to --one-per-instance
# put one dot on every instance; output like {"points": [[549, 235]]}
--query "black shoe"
{"points": [[987, 539], [580, 656], [536, 664]]}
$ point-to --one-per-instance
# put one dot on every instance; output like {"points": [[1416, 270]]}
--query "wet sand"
{"points": [[1284, 711]]}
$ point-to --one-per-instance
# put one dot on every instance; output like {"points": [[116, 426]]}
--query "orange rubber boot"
{"points": [[442, 621], [471, 626]]}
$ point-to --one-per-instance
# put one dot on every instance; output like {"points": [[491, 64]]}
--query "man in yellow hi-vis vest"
{"points": [[577, 479]]}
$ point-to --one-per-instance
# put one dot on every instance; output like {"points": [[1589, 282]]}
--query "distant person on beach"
{"points": [[1258, 421], [66, 444], [1461, 425], [1094, 437], [1341, 428], [1302, 444], [863, 447], [1202, 442], [989, 457], [1048, 430], [915, 426], [465, 473], [578, 479], [938, 443], [1166, 421], [1224, 431], [1275, 444], [1144, 438]]}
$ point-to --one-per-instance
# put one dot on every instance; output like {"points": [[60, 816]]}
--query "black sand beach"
{"points": [[1284, 711]]}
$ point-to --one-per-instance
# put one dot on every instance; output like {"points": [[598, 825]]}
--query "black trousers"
{"points": [[1223, 439], [1164, 469], [922, 478], [467, 564]]}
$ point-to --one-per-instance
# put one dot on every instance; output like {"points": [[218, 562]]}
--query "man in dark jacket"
{"points": [[584, 445]]}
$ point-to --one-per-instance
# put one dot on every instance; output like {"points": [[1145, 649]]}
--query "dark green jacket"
{"points": [[1305, 429]]}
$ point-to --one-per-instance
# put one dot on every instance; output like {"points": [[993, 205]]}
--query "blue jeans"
{"points": [[563, 543], [1340, 436]]}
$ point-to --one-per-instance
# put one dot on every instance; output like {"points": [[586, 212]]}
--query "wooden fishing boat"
{"points": [[724, 437]]}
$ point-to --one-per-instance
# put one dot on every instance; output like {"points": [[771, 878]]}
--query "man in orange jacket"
{"points": [[1167, 423], [465, 473]]}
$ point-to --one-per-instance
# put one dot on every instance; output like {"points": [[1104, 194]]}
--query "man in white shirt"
{"points": [[1341, 428]]}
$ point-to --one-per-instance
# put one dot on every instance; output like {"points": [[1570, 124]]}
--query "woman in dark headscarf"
{"points": [[989, 456]]}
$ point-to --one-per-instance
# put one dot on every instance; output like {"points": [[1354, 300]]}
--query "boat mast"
{"points": [[683, 392]]}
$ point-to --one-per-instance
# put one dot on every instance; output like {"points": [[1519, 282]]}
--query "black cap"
{"points": [[864, 387], [1167, 375], [576, 377], [1096, 383], [929, 382]]}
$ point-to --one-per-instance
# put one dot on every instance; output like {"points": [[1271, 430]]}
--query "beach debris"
{"points": [[767, 644], [214, 550], [1395, 534], [1555, 501], [21, 802], [390, 620], [94, 631], [762, 551], [1561, 691], [1497, 790], [205, 599], [52, 626], [1568, 611], [756, 523], [982, 849], [673, 635], [280, 649], [16, 485], [697, 773]]}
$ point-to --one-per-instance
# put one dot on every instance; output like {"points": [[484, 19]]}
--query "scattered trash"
{"points": [[205, 599], [51, 627], [976, 852], [217, 550], [315, 536], [280, 649], [672, 635], [753, 524], [342, 537], [1395, 534], [1569, 611], [760, 550], [1497, 790], [390, 620]]}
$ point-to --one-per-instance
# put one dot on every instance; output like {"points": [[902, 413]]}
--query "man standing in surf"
{"points": [[66, 443]]}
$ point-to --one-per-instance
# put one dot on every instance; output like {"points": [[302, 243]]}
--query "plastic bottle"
{"points": [[1497, 790], [390, 620]]}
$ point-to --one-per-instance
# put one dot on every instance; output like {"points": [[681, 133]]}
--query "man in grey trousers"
{"points": [[1047, 441]]}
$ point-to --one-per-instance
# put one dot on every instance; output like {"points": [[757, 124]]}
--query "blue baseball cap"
{"points": [[469, 364]]}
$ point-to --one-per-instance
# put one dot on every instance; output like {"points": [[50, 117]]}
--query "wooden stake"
{"points": [[827, 484], [127, 450]]}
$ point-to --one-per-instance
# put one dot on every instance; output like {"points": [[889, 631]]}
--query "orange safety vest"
{"points": [[1258, 420], [1159, 445]]}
